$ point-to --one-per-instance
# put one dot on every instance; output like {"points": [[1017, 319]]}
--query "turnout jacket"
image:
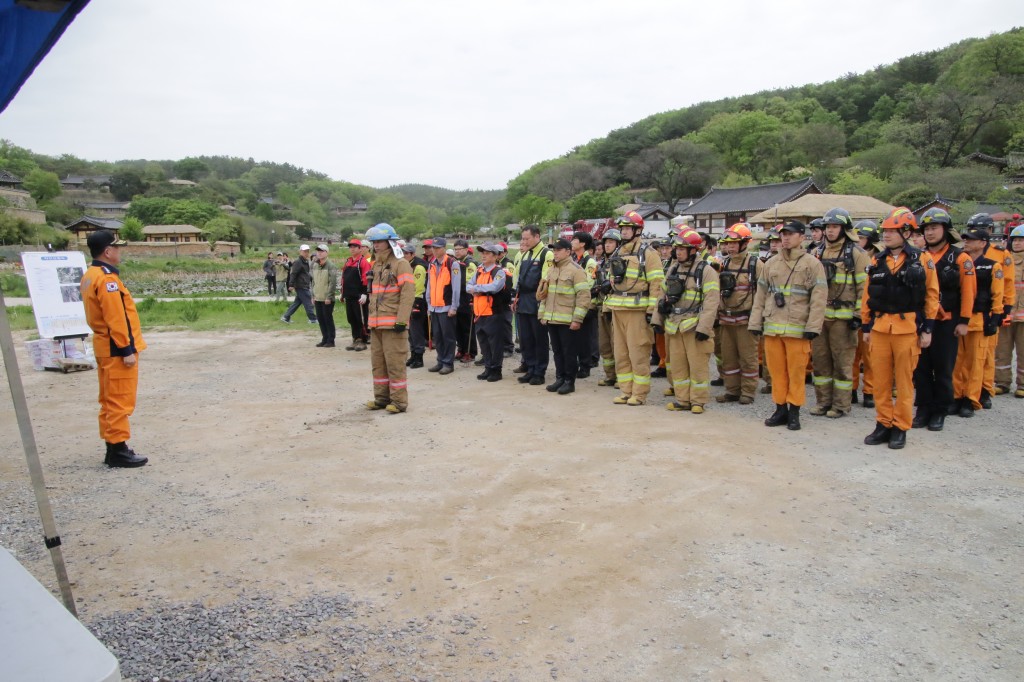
{"points": [[846, 287], [567, 298], [391, 293], [1016, 282], [110, 312], [640, 288], [697, 307], [800, 278], [735, 309]]}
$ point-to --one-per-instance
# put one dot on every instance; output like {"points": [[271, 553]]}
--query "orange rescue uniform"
{"points": [[117, 334]]}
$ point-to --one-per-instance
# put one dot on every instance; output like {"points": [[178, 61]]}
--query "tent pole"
{"points": [[50, 537]]}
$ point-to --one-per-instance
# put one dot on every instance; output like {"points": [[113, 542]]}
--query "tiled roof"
{"points": [[748, 199], [98, 223], [8, 177], [171, 229]]}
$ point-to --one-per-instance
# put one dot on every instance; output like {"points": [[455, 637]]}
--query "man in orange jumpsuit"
{"points": [[898, 313], [117, 341]]}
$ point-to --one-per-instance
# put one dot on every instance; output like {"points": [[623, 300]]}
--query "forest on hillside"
{"points": [[902, 133]]}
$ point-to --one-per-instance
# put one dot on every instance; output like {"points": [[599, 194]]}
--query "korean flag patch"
{"points": [[111, 286]]}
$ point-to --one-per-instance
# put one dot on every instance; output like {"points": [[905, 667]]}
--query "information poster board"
{"points": [[53, 283]]}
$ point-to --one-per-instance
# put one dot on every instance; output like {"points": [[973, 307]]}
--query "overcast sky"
{"points": [[459, 94]]}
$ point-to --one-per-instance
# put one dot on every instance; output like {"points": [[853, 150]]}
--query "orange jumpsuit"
{"points": [[969, 371], [1003, 257], [117, 334], [893, 343]]}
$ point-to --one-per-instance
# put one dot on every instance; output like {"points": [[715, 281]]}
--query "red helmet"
{"points": [[737, 233], [688, 237], [901, 218], [631, 219]]}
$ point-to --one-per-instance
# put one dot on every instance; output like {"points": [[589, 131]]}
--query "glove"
{"points": [[701, 336], [399, 327], [810, 336], [756, 332], [658, 329], [854, 323], [664, 307], [362, 299], [990, 327]]}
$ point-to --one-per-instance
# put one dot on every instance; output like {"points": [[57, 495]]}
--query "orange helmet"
{"points": [[688, 237], [901, 218], [737, 233], [631, 219]]}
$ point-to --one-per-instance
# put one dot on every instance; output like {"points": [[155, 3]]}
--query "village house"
{"points": [[86, 225], [182, 234], [725, 206], [115, 209]]}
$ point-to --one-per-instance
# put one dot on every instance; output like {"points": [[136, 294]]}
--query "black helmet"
{"points": [[816, 224], [840, 217], [981, 220], [867, 228], [937, 216]]}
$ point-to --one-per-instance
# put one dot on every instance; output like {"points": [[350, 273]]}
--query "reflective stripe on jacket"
{"points": [[392, 292], [568, 294], [800, 278]]}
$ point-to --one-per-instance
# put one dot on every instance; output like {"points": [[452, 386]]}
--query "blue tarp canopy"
{"points": [[28, 29]]}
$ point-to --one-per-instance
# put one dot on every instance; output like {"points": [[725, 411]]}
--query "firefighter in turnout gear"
{"points": [[789, 310], [867, 232], [968, 373], [392, 291], [1000, 254], [741, 269], [933, 377], [599, 295], [563, 307], [833, 351], [636, 287], [900, 304], [1011, 333], [686, 314]]}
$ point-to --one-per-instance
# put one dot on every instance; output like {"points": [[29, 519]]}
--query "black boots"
{"points": [[557, 385], [780, 417], [415, 361], [921, 419], [567, 387], [793, 423], [868, 401], [936, 422], [880, 435], [965, 409], [986, 399], [120, 455]]}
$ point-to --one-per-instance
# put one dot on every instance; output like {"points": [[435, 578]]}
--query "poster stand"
{"points": [[71, 363]]}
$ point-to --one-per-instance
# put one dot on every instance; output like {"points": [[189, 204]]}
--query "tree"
{"points": [[132, 230], [856, 180], [533, 209], [125, 184], [191, 169], [42, 186], [150, 211], [748, 141], [567, 178], [820, 143], [14, 230], [913, 197], [264, 211], [219, 229], [385, 208], [677, 169], [594, 204]]}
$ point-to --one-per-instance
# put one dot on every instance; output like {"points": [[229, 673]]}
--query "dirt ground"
{"points": [[587, 541]]}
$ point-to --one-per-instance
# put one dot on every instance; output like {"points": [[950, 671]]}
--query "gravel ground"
{"points": [[497, 532]]}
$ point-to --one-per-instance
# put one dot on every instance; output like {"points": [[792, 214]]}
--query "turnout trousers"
{"points": [[970, 363], [787, 362], [1011, 341], [565, 345], [933, 377], [862, 359], [633, 340], [690, 360], [988, 377], [893, 358], [739, 359], [118, 389], [832, 354], [388, 352], [606, 344]]}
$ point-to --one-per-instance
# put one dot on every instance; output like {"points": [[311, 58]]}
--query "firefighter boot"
{"points": [[416, 361], [936, 421], [921, 418], [868, 401], [793, 421], [567, 387], [880, 435], [780, 417], [966, 409], [120, 455], [986, 399], [553, 387], [898, 439]]}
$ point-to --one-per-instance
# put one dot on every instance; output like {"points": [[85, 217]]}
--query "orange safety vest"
{"points": [[483, 305], [441, 284]]}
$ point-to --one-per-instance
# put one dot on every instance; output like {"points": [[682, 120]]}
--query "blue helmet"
{"points": [[1017, 232], [381, 232]]}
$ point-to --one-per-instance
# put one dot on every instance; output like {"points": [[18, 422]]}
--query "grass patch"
{"points": [[14, 285], [199, 315]]}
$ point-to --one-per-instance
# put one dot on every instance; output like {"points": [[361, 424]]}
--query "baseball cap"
{"points": [[428, 242], [440, 241], [562, 244], [408, 248], [280, 253], [462, 242], [322, 247], [101, 239], [366, 243], [491, 247], [503, 245], [304, 247], [793, 226], [354, 242], [978, 233]]}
